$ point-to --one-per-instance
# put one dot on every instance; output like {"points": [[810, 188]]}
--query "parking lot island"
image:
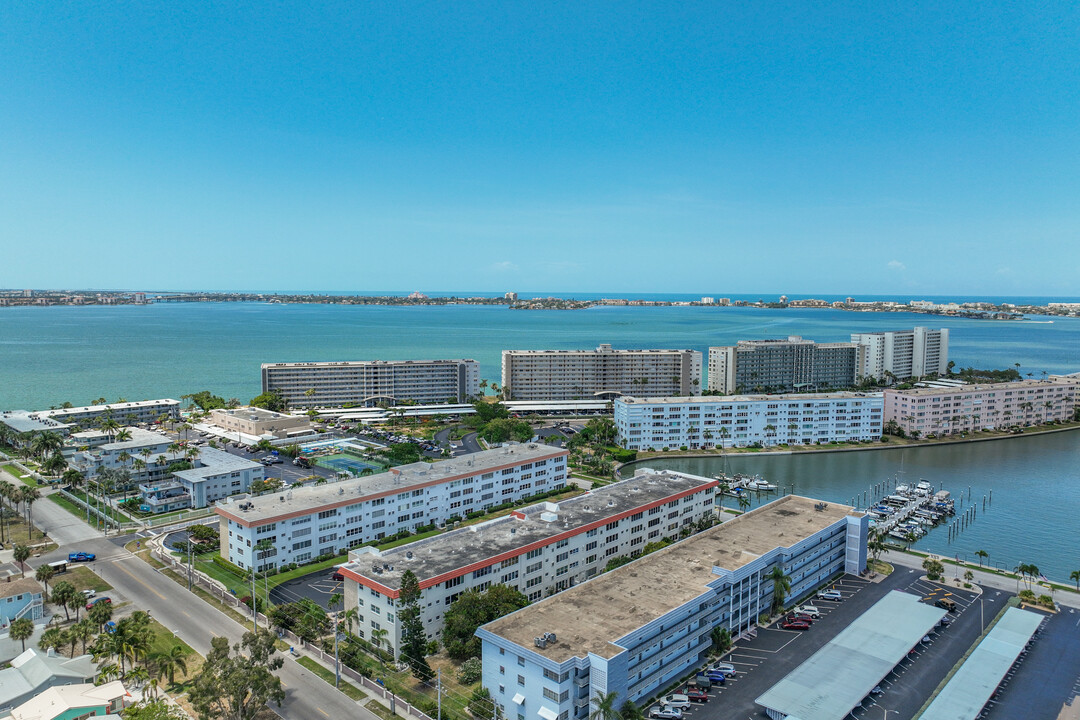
{"points": [[640, 627]]}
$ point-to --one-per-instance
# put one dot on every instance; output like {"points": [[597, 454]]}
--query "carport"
{"points": [[835, 679], [965, 695]]}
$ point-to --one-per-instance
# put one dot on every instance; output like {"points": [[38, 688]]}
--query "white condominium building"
{"points": [[599, 373], [742, 420], [947, 411], [781, 366], [369, 382], [638, 629], [124, 413], [304, 523], [904, 354], [538, 550]]}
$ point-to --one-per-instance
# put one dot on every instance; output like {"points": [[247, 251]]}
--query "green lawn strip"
{"points": [[1012, 602], [68, 505], [85, 579], [381, 710], [349, 689], [116, 515]]}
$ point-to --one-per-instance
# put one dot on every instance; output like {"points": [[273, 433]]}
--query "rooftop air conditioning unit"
{"points": [[540, 642], [550, 637], [409, 554]]}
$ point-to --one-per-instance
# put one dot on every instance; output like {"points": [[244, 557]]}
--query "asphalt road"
{"points": [[308, 697]]}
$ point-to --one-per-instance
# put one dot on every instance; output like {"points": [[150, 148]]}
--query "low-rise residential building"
{"points": [[743, 420], [304, 523], [32, 672], [259, 423], [601, 373], [371, 382], [538, 550], [903, 354], [74, 702], [141, 412], [783, 366], [637, 629], [215, 476], [935, 411], [20, 598], [1072, 379], [18, 427], [154, 450]]}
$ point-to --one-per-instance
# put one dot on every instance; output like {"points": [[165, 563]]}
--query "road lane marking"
{"points": [[121, 567], [323, 711]]}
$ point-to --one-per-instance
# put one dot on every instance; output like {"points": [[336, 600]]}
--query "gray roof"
{"points": [[23, 421], [970, 688], [215, 462], [481, 542], [139, 439], [33, 671], [304, 500], [840, 675]]}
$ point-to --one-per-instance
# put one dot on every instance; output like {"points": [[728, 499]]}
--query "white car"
{"points": [[809, 610], [830, 595], [89, 593], [727, 668], [666, 713], [677, 701]]}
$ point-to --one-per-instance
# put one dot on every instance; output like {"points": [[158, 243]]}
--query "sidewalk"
{"points": [[1066, 598]]}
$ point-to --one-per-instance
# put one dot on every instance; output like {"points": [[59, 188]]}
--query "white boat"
{"points": [[900, 489], [759, 484]]}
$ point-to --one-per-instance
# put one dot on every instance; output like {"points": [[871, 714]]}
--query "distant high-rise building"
{"points": [[781, 366], [581, 374], [364, 383], [708, 300], [904, 354], [511, 296]]}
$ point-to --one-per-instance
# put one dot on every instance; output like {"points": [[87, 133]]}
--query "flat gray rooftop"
{"points": [[460, 548], [215, 462], [728, 399], [964, 696], [139, 439], [592, 616], [23, 421], [117, 409], [832, 681], [304, 500]]}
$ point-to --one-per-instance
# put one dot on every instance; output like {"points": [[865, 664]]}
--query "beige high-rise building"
{"points": [[904, 353], [782, 366]]}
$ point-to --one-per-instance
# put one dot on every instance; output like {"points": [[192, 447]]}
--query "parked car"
{"points": [[95, 601], [716, 677], [81, 557], [696, 695], [726, 668], [90, 592], [809, 610], [666, 713], [946, 603], [677, 700], [830, 595], [795, 625], [110, 627], [272, 459], [801, 616], [336, 575], [702, 681]]}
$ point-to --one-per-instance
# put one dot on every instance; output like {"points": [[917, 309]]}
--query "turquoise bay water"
{"points": [[1032, 486], [50, 355]]}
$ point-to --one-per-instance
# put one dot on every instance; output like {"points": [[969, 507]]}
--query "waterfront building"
{"points": [[602, 373], [639, 628], [22, 426], [538, 550], [370, 382], [259, 423], [143, 412], [304, 523], [1072, 379], [904, 354], [934, 411], [782, 366], [743, 420], [215, 476]]}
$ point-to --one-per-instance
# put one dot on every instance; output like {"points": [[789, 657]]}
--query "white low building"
{"points": [[538, 550], [308, 522], [743, 420]]}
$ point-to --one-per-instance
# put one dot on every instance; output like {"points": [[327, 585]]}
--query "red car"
{"points": [[95, 601], [801, 616], [696, 694], [795, 625]]}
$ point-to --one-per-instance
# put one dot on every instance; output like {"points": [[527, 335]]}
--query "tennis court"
{"points": [[347, 464]]}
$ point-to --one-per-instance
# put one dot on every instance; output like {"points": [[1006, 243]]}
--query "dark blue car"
{"points": [[81, 557]]}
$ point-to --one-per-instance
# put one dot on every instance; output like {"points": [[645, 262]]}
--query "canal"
{"points": [[1031, 487]]}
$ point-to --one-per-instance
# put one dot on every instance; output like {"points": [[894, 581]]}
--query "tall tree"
{"points": [[781, 585], [473, 609], [44, 575], [22, 630], [413, 637], [22, 552], [236, 685], [603, 706]]}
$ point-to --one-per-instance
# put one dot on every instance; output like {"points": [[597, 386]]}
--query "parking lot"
{"points": [[774, 652], [317, 586]]}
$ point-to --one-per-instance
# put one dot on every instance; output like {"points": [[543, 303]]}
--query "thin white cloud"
{"points": [[897, 265], [504, 266]]}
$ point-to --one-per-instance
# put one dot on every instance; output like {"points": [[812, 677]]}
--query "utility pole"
{"points": [[337, 660], [191, 550], [438, 693], [254, 605]]}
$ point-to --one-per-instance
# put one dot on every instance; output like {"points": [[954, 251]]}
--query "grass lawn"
{"points": [[346, 687], [381, 710], [83, 578], [68, 505]]}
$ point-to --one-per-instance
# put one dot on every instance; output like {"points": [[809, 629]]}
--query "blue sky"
{"points": [[637, 147]]}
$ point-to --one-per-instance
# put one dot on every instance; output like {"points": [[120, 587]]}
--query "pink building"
{"points": [[947, 411]]}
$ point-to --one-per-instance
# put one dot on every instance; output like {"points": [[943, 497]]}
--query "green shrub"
{"points": [[228, 566], [470, 671]]}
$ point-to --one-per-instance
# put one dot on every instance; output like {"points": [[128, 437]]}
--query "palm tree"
{"points": [[28, 495], [22, 630], [51, 638], [982, 555], [138, 676], [109, 427], [1075, 577], [744, 501], [724, 434], [83, 630], [350, 617], [44, 574], [73, 478], [166, 663], [122, 436], [62, 593], [335, 599], [22, 552], [630, 710], [604, 706], [781, 586], [377, 638]]}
